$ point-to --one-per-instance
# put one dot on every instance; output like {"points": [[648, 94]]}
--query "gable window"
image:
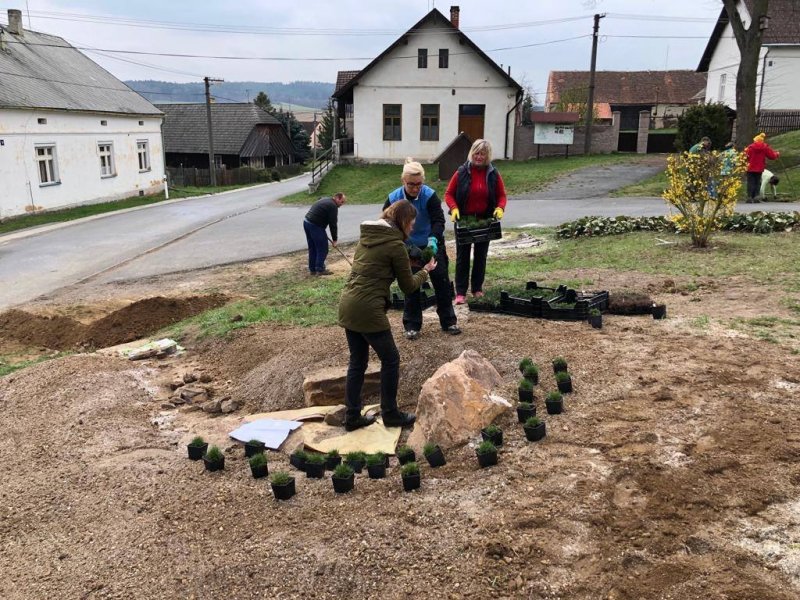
{"points": [[422, 58], [722, 81], [46, 161], [429, 125], [143, 151], [106, 152], [444, 58], [392, 120]]}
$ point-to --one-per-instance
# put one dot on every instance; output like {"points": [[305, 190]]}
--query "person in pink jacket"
{"points": [[757, 154]]}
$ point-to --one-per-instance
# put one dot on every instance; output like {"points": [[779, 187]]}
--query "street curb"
{"points": [[32, 231]]}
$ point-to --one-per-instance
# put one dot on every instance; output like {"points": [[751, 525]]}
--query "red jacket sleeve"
{"points": [[771, 154], [450, 193], [501, 192]]}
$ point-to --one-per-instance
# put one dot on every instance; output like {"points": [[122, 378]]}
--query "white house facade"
{"points": [[70, 132], [429, 86], [778, 83]]}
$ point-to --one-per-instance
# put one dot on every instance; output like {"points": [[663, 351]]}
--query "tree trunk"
{"points": [[749, 43]]}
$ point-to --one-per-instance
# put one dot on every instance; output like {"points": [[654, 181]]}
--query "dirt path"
{"points": [[672, 474]]}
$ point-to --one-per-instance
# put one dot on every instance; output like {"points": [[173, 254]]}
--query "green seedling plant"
{"points": [[332, 453], [404, 451], [486, 447], [258, 460], [214, 454], [429, 448], [409, 469], [315, 458], [525, 385], [427, 255], [492, 430], [280, 478], [560, 363], [356, 456], [525, 405], [563, 376], [197, 441], [524, 363], [533, 422], [301, 454], [594, 312], [343, 471], [531, 372], [376, 460], [554, 396]]}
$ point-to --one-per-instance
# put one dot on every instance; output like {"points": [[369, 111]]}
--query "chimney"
{"points": [[15, 21], [454, 12]]}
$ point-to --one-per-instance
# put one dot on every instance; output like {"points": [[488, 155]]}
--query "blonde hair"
{"points": [[479, 145], [413, 168]]}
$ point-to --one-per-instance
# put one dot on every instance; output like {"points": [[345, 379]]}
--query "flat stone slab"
{"points": [[326, 386]]}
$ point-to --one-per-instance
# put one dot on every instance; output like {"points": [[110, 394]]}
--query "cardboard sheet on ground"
{"points": [[300, 414], [273, 432]]}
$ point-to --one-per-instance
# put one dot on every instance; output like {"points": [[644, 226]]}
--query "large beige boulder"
{"points": [[326, 386], [456, 402]]}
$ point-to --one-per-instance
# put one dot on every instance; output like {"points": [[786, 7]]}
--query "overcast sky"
{"points": [[674, 34]]}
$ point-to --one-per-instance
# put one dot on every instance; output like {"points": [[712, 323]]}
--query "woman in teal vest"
{"points": [[428, 231]]}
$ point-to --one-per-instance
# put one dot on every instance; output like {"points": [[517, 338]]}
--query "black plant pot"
{"points": [[315, 471], [342, 486], [212, 465], [534, 434], [565, 387], [410, 457], [283, 492], [525, 395], [376, 471], [487, 459], [496, 439], [297, 462], [196, 452], [557, 368], [436, 458], [386, 461], [554, 407], [523, 414], [411, 482], [260, 471], [356, 465], [660, 311], [596, 321], [331, 462], [253, 449]]}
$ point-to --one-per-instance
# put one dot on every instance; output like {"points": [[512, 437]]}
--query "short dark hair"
{"points": [[774, 180], [401, 213], [338, 195]]}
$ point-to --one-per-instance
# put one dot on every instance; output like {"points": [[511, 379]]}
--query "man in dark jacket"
{"points": [[428, 231], [323, 213]]}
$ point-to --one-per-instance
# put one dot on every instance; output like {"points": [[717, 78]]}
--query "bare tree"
{"points": [[749, 42]]}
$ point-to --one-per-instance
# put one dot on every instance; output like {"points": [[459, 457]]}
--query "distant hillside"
{"points": [[313, 94]]}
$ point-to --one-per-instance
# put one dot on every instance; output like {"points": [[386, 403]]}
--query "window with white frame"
{"points": [[106, 152], [722, 82], [46, 161], [143, 151]]}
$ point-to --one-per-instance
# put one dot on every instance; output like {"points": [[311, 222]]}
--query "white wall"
{"points": [[76, 137], [725, 61], [782, 79], [397, 80]]}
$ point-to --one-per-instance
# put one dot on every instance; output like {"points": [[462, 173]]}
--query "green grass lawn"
{"points": [[78, 212], [788, 144], [370, 184]]}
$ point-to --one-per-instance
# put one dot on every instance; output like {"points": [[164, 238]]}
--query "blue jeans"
{"points": [[317, 241], [383, 344]]}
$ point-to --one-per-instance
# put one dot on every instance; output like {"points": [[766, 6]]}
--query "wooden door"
{"points": [[470, 120]]}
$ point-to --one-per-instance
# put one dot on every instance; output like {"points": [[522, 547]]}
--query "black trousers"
{"points": [[384, 346], [412, 309], [753, 185], [478, 267]]}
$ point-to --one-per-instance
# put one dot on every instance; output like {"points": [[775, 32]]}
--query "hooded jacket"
{"points": [[757, 155], [380, 258]]}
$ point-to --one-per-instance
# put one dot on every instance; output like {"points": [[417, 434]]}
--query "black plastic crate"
{"points": [[472, 235], [583, 303], [530, 306], [427, 300]]}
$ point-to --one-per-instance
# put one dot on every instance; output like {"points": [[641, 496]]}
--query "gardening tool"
{"points": [[786, 173], [340, 252]]}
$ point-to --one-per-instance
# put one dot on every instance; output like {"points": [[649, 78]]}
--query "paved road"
{"points": [[249, 224]]}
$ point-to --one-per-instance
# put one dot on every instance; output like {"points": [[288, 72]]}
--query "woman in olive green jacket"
{"points": [[380, 258]]}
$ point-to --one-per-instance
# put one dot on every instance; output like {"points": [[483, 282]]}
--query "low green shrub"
{"points": [[525, 385], [258, 460], [429, 448], [562, 376], [554, 396], [315, 458], [343, 471], [525, 362], [486, 447], [214, 454], [491, 429], [404, 451], [280, 478], [409, 469], [377, 459], [532, 422], [197, 441]]}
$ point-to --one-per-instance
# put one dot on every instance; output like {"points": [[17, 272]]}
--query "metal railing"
{"points": [[321, 164]]}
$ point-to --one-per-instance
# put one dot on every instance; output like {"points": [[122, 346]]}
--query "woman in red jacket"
{"points": [[757, 154], [477, 189]]}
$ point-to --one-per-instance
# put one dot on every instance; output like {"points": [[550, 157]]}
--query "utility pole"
{"points": [[587, 145], [211, 166]]}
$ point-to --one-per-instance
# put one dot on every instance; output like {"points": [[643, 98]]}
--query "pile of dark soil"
{"points": [[629, 303], [124, 325]]}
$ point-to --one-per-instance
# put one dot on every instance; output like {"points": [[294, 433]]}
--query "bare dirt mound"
{"points": [[124, 325]]}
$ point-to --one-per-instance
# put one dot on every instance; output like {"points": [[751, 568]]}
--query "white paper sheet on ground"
{"points": [[273, 432]]}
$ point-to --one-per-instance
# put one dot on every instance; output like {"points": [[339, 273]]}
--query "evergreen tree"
{"points": [[263, 101], [298, 136], [527, 109], [326, 131]]}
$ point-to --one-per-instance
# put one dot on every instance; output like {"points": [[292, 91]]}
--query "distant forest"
{"points": [[313, 94]]}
